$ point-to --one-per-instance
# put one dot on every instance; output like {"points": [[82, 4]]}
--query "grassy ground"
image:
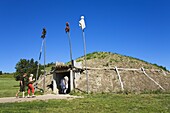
{"points": [[96, 103], [92, 103], [8, 87]]}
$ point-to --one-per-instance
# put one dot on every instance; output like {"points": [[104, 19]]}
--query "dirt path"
{"points": [[40, 97]]}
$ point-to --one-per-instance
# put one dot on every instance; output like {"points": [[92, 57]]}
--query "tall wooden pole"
{"points": [[68, 33], [44, 63], [87, 79], [43, 36], [83, 26], [67, 29], [38, 65]]}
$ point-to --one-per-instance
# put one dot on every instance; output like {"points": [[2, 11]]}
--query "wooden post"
{"points": [[44, 64], [152, 79], [121, 83], [54, 84]]}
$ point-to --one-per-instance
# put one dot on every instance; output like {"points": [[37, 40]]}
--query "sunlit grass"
{"points": [[8, 87], [96, 103], [92, 103]]}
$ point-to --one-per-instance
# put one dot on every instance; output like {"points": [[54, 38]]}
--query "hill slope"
{"points": [[105, 59]]}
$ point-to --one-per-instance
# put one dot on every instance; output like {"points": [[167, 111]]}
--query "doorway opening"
{"points": [[59, 77]]}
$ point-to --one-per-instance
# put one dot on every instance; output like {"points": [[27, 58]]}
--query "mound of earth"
{"points": [[109, 72]]}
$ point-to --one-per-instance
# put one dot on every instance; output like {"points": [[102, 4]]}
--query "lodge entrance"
{"points": [[60, 71], [59, 77]]}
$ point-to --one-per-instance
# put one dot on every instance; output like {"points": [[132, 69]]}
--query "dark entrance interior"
{"points": [[60, 76]]}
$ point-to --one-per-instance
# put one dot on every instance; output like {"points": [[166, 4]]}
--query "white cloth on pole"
{"points": [[82, 23]]}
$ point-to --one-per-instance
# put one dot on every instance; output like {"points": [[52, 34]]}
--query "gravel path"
{"points": [[40, 97]]}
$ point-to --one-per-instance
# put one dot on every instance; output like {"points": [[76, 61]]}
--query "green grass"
{"points": [[8, 87], [92, 103], [7, 75], [48, 69], [96, 103]]}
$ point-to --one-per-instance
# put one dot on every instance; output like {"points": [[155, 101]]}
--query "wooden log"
{"points": [[129, 69], [152, 79], [120, 80]]}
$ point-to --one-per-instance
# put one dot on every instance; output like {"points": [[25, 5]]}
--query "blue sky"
{"points": [[137, 28]]}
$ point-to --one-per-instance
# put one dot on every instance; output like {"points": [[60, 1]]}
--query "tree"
{"points": [[1, 73], [26, 66]]}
